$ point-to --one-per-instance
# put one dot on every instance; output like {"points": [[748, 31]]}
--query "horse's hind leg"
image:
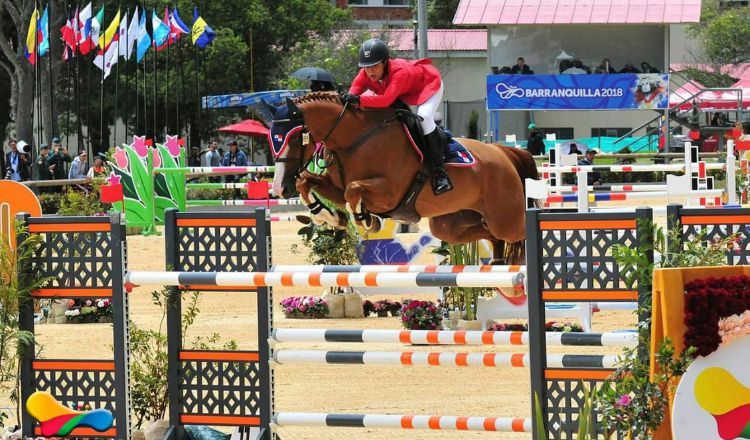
{"points": [[460, 227]]}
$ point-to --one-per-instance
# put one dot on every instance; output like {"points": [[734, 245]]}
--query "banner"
{"points": [[624, 91]]}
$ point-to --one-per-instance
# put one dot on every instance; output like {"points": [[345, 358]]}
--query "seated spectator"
{"points": [[605, 67], [99, 169], [575, 69], [79, 166], [505, 70], [629, 68], [521, 68], [594, 178], [647, 68], [565, 65]]}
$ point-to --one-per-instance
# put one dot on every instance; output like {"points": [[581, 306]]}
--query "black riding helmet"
{"points": [[372, 52]]}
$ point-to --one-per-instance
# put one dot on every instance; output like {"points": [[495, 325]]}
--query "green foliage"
{"points": [[710, 79], [76, 202], [440, 13], [462, 298], [50, 202], [724, 34], [328, 245], [633, 401], [586, 421], [18, 278], [149, 361]]}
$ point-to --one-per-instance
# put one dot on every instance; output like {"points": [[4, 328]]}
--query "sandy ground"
{"points": [[336, 389]]}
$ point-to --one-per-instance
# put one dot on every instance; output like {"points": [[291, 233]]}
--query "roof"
{"points": [[441, 39], [531, 12], [740, 71]]}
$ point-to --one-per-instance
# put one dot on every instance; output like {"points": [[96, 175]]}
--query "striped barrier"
{"points": [[260, 202], [438, 423], [427, 268], [191, 186], [613, 187], [325, 279], [445, 337], [439, 359], [618, 196], [675, 168], [216, 170]]}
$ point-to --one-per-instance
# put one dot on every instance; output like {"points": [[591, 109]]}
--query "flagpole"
{"points": [[53, 119], [37, 85], [127, 99], [169, 80], [79, 127], [117, 81], [197, 92], [70, 98], [182, 87]]}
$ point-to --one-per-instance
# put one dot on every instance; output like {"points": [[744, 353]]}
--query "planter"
{"points": [[105, 319], [89, 318], [156, 430], [469, 325], [382, 314]]}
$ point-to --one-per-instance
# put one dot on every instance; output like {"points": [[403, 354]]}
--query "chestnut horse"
{"points": [[371, 166]]}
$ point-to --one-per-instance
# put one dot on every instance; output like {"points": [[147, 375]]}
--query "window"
{"points": [[358, 2], [610, 132], [397, 2], [562, 133]]}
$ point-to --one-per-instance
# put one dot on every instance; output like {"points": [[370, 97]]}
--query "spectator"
{"points": [[44, 171], [565, 65], [80, 167], [647, 68], [322, 86], [521, 68], [593, 177], [194, 159], [629, 68], [99, 169], [576, 69], [57, 159], [17, 162], [535, 144], [605, 67], [234, 158], [213, 159]]}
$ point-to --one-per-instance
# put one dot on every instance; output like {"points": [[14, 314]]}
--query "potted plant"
{"points": [[104, 310], [304, 307], [368, 307], [463, 299], [421, 315], [381, 308]]}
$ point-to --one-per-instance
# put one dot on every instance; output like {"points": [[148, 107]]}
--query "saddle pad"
{"points": [[458, 155]]}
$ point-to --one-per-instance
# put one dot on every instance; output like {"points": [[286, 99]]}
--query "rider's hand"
{"points": [[351, 99]]}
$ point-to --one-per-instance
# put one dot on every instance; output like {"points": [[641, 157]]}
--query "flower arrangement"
{"points": [[386, 306], [89, 310], [368, 307], [735, 326], [550, 326], [707, 302], [304, 307], [421, 315]]}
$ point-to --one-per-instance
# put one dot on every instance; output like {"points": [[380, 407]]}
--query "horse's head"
{"points": [[290, 155]]}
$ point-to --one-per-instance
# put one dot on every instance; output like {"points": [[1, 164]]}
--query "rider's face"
{"points": [[375, 73]]}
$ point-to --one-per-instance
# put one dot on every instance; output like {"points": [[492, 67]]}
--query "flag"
{"points": [[44, 32], [31, 38], [111, 193], [144, 39], [69, 34], [108, 47], [96, 28], [203, 35], [84, 33], [109, 34], [177, 26], [132, 35], [123, 37], [161, 30], [170, 39]]}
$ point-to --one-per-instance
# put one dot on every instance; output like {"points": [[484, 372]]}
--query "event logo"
{"points": [[506, 92]]}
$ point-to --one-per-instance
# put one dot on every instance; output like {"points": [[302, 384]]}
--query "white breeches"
{"points": [[427, 111]]}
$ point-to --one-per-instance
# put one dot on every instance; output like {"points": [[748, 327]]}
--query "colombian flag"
{"points": [[32, 38], [203, 35]]}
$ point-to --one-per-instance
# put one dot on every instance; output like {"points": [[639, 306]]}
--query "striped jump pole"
{"points": [[427, 268], [439, 359], [282, 218], [191, 186], [614, 187], [217, 170], [259, 202], [674, 168], [604, 197], [446, 337], [327, 279], [437, 423]]}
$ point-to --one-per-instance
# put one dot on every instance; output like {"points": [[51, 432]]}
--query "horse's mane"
{"points": [[318, 97]]}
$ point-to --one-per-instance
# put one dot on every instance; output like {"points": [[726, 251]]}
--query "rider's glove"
{"points": [[351, 99]]}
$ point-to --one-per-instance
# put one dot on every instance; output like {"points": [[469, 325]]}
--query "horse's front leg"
{"points": [[321, 213], [356, 192]]}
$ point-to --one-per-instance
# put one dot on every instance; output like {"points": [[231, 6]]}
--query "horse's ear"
{"points": [[293, 109], [271, 108]]}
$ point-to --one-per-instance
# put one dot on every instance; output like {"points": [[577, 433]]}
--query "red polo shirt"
{"points": [[414, 82]]}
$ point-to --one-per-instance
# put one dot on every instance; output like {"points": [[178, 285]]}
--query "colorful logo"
{"points": [[57, 420], [726, 399]]}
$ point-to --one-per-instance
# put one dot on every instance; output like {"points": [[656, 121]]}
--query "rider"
{"points": [[415, 82]]}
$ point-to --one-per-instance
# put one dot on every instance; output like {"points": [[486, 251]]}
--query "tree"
{"points": [[440, 13], [724, 34]]}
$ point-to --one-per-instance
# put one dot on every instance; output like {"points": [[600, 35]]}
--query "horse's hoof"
{"points": [[497, 262]]}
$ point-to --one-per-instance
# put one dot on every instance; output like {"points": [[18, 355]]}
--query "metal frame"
{"points": [[243, 395], [717, 223], [85, 256]]}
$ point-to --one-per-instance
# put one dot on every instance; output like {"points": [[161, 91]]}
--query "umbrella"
{"points": [[313, 74], [248, 127], [565, 147]]}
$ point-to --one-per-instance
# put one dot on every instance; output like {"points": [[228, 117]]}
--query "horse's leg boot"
{"points": [[441, 183]]}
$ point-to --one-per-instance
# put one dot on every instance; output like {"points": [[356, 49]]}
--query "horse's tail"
{"points": [[525, 167], [523, 161]]}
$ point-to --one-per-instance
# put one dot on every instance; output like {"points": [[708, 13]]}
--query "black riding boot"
{"points": [[441, 183]]}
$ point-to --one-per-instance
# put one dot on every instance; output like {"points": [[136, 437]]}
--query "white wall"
{"points": [[584, 121], [683, 48]]}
